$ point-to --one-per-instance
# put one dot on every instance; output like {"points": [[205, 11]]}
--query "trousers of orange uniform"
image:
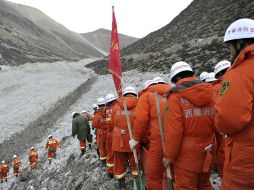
{"points": [[120, 159], [51, 154], [155, 169], [187, 180], [15, 171], [220, 156], [102, 138], [3, 176], [110, 153], [82, 144], [33, 165]]}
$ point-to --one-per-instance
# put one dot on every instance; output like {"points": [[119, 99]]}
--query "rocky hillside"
{"points": [[101, 40], [28, 35], [195, 36]]}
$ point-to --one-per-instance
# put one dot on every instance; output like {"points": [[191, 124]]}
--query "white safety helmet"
{"points": [[210, 77], [73, 113], [15, 156], [203, 76], [3, 162], [221, 66], [101, 101], [110, 98], [240, 29], [32, 148], [158, 80], [83, 111], [179, 67], [95, 106], [148, 83], [130, 90], [49, 136]]}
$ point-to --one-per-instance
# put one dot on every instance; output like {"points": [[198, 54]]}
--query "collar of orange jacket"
{"points": [[160, 88], [246, 52], [200, 95], [141, 92], [185, 80], [131, 102]]}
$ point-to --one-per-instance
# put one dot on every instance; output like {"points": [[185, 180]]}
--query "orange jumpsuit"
{"points": [[220, 155], [99, 122], [52, 145], [110, 153], [146, 118], [4, 169], [33, 158], [235, 118], [16, 165], [121, 137], [189, 129]]}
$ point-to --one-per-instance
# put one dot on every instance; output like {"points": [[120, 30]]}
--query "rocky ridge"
{"points": [[195, 36]]}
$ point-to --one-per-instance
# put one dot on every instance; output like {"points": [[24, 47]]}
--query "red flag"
{"points": [[114, 66]]}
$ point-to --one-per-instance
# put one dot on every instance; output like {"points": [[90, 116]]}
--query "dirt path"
{"points": [[36, 129]]}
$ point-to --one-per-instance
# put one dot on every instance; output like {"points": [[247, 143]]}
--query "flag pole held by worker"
{"points": [[115, 68]]}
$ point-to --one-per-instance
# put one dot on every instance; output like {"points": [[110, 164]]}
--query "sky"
{"points": [[135, 18]]}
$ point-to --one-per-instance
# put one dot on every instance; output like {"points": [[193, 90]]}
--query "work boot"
{"points": [[122, 184], [104, 162], [90, 146], [1, 181], [49, 162], [110, 175], [82, 152], [6, 180], [54, 155]]}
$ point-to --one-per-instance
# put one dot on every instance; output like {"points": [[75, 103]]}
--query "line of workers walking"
{"points": [[208, 122]]}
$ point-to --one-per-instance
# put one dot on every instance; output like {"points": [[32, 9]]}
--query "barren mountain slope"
{"points": [[28, 35], [195, 36]]}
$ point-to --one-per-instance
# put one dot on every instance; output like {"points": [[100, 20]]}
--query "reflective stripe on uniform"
{"points": [[103, 158], [135, 173], [120, 175], [110, 165]]}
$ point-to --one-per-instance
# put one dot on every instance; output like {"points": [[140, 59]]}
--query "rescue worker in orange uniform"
{"points": [[189, 129], [51, 146], [110, 102], [33, 157], [16, 162], [146, 118], [99, 122], [219, 70], [4, 170], [121, 136], [235, 107]]}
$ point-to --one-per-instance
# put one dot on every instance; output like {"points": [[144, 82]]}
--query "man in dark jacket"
{"points": [[80, 127]]}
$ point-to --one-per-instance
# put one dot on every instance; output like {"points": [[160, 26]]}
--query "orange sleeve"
{"points": [[47, 144], [173, 128], [95, 122], [235, 103], [141, 121]]}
